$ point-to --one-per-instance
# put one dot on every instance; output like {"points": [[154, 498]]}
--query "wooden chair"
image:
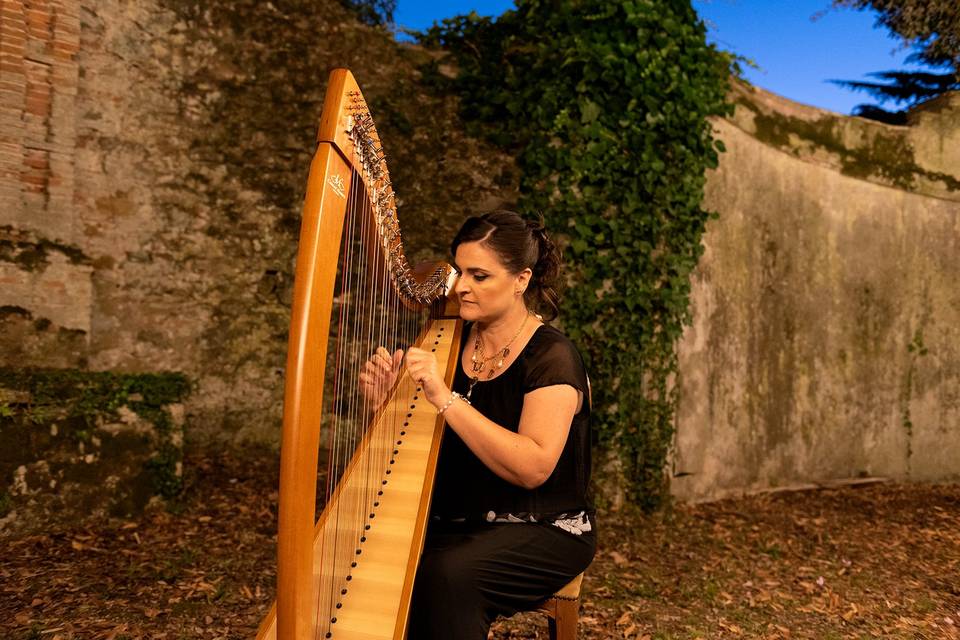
{"points": [[562, 609]]}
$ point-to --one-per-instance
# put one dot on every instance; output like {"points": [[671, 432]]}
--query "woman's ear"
{"points": [[523, 280]]}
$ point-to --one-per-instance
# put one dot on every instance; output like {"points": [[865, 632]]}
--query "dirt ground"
{"points": [[877, 561]]}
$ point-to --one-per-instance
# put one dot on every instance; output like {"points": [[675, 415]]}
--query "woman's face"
{"points": [[486, 289]]}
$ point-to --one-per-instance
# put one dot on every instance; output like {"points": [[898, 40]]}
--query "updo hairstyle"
{"points": [[520, 244]]}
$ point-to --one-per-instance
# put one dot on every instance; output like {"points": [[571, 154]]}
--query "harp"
{"points": [[348, 574]]}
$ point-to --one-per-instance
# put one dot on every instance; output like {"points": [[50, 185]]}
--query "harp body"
{"points": [[356, 563]]}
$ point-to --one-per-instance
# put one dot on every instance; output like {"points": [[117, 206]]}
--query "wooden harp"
{"points": [[348, 574]]}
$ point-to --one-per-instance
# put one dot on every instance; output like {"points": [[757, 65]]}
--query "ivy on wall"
{"points": [[604, 104], [81, 397]]}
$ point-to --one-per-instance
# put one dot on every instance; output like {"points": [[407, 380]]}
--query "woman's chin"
{"points": [[468, 311]]}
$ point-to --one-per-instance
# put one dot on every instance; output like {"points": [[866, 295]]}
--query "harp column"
{"points": [[320, 235]]}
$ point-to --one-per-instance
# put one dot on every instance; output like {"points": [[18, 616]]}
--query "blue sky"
{"points": [[795, 54]]}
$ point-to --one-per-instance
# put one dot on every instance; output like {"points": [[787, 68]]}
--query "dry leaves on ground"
{"points": [[878, 561]]}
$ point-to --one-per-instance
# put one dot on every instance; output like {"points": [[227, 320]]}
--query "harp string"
{"points": [[368, 313], [341, 419]]}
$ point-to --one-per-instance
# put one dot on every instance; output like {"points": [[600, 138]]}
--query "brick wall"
{"points": [[45, 281], [39, 40]]}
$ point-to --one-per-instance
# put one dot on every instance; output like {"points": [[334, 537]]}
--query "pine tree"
{"points": [[932, 29]]}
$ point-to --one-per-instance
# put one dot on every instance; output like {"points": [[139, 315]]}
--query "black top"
{"points": [[465, 487]]}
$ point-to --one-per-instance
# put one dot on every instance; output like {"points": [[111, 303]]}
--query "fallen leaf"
{"points": [[116, 631]]}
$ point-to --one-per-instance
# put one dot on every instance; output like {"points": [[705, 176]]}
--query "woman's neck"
{"points": [[499, 331]]}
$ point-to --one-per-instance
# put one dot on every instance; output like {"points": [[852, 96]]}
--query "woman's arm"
{"points": [[526, 458]]}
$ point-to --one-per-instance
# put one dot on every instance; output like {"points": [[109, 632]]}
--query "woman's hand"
{"points": [[422, 366], [378, 375]]}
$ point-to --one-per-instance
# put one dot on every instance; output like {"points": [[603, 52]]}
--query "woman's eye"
{"points": [[480, 277]]}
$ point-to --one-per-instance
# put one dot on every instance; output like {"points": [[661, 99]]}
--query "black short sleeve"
{"points": [[553, 360]]}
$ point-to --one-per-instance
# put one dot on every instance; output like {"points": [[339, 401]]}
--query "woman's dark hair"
{"points": [[520, 244]]}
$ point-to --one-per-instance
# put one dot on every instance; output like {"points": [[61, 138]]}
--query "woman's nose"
{"points": [[461, 287]]}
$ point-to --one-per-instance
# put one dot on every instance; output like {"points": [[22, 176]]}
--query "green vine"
{"points": [[80, 397], [605, 104]]}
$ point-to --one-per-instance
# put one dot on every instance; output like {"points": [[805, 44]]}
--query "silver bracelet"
{"points": [[453, 396]]}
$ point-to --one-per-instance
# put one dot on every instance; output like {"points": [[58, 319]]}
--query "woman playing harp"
{"points": [[349, 573], [511, 520]]}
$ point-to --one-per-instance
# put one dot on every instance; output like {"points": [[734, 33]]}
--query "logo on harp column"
{"points": [[336, 183]]}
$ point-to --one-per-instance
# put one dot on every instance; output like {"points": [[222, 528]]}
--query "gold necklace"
{"points": [[479, 361]]}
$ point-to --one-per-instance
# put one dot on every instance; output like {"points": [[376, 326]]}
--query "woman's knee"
{"points": [[446, 574]]}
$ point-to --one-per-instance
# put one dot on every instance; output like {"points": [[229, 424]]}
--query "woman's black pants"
{"points": [[472, 572]]}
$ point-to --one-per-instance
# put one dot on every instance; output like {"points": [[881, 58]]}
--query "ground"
{"points": [[877, 561]]}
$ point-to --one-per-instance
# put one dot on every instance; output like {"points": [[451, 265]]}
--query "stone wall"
{"points": [[826, 335], [154, 159], [77, 443]]}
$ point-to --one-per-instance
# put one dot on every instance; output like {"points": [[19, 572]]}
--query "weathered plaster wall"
{"points": [[826, 335]]}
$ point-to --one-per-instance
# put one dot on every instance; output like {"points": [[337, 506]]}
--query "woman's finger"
{"points": [[382, 356], [415, 356], [419, 360]]}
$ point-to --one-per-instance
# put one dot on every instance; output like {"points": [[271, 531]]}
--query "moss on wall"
{"points": [[824, 338], [104, 440], [31, 252], [885, 155]]}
